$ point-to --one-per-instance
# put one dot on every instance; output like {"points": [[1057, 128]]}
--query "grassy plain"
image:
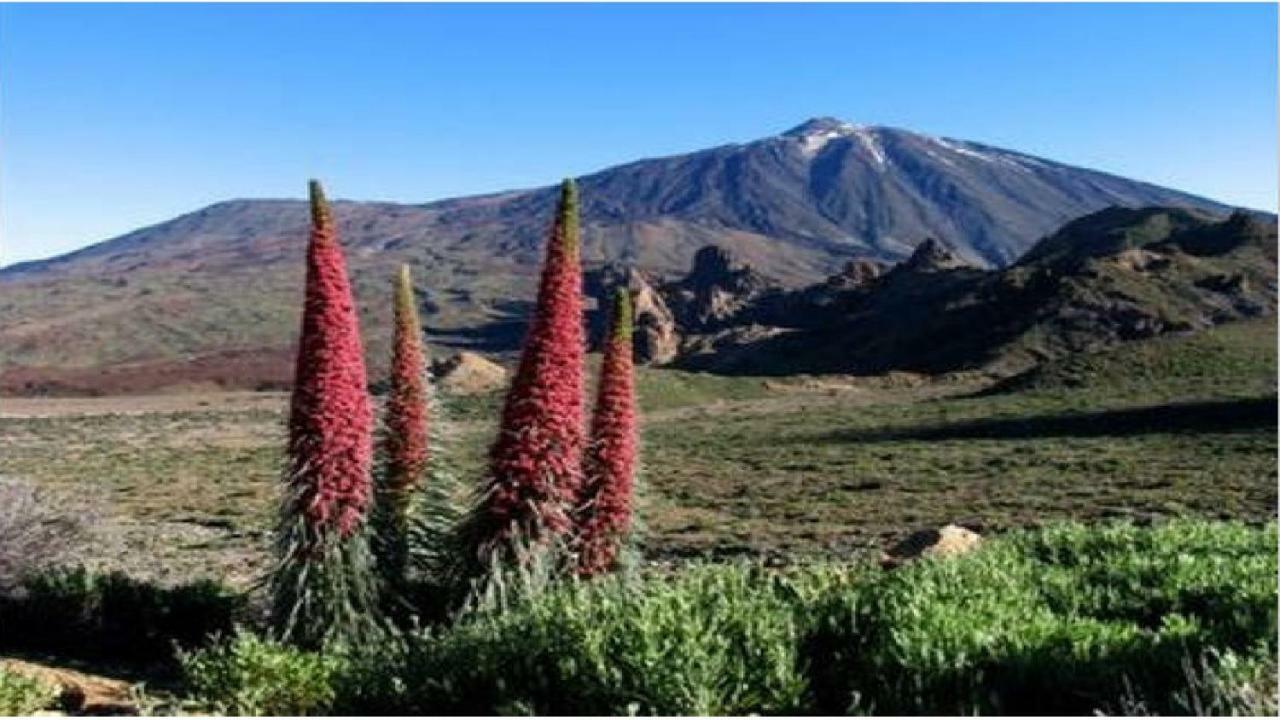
{"points": [[831, 466]]}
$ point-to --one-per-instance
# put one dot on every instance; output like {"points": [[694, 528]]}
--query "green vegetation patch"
{"points": [[249, 676], [1175, 618], [1071, 620]]}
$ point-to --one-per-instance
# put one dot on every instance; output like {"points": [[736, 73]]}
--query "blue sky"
{"points": [[117, 116]]}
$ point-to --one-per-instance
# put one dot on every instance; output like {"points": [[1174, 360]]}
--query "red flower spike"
{"points": [[610, 464], [535, 463], [330, 418], [406, 411]]}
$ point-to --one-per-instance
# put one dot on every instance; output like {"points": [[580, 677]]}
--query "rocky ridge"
{"points": [[1117, 275]]}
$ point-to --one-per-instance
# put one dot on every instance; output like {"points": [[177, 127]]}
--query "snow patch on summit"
{"points": [[811, 144], [871, 144], [812, 141]]}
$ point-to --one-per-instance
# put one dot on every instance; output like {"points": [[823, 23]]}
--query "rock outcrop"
{"points": [[729, 348], [657, 336], [932, 255], [715, 291], [856, 274]]}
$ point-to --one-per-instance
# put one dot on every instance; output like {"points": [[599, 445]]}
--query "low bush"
{"points": [[245, 675], [20, 695], [1173, 619], [77, 613]]}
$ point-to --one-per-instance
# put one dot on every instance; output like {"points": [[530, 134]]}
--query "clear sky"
{"points": [[115, 117]]}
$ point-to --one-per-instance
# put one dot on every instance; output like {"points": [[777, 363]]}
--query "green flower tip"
{"points": [[568, 192], [403, 285], [319, 205], [622, 314], [567, 214]]}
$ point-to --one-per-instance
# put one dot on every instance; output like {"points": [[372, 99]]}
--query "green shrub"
{"points": [[711, 641], [1069, 620], [20, 695], [246, 675], [1221, 574], [81, 614]]}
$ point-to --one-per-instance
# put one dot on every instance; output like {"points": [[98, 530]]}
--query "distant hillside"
{"points": [[225, 280], [1113, 276]]}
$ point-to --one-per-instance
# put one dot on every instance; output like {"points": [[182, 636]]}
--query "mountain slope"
{"points": [[226, 279], [824, 188]]}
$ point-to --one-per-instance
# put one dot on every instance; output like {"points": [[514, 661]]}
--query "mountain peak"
{"points": [[820, 126]]}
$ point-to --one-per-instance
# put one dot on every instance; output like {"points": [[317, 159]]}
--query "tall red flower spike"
{"points": [[330, 417], [535, 463], [405, 436], [406, 411], [323, 587], [610, 463]]}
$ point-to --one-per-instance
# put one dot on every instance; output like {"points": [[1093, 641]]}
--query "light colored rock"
{"points": [[467, 373], [656, 338], [1140, 260], [903, 379], [728, 346], [948, 541]]}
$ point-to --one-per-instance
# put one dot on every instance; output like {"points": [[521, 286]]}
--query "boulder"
{"points": [[79, 693], [467, 373], [948, 541]]}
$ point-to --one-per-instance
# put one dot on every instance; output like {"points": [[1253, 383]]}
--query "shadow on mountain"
{"points": [[1195, 417]]}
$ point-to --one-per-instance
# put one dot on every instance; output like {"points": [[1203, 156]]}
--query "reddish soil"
{"points": [[241, 369]]}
